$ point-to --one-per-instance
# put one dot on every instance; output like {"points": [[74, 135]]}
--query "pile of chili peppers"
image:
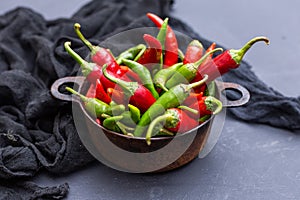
{"points": [[153, 89]]}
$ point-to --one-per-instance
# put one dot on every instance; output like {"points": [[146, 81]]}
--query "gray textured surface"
{"points": [[250, 161]]}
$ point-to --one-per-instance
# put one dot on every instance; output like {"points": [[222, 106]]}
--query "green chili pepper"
{"points": [[187, 72], [135, 113], [144, 75], [133, 53], [161, 36], [161, 77], [96, 107], [170, 99], [113, 123]]}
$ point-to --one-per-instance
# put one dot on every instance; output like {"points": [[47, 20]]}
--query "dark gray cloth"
{"points": [[37, 131]]}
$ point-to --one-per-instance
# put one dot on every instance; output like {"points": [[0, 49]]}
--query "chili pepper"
{"points": [[133, 53], [161, 77], [171, 45], [207, 105], [193, 52], [139, 96], [116, 95], [161, 36], [153, 53], [91, 93], [96, 107], [144, 75], [91, 70], [187, 72], [111, 124], [99, 55], [176, 120], [101, 94], [170, 99], [230, 59]]}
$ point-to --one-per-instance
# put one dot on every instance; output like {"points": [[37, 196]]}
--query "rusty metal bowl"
{"points": [[132, 154]]}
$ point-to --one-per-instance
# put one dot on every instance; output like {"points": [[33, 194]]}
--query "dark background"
{"points": [[250, 161]]}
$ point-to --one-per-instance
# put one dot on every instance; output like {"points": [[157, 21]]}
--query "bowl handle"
{"points": [[244, 92], [58, 83]]}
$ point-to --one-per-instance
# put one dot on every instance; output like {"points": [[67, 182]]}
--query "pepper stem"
{"points": [[237, 55], [86, 67], [189, 109], [198, 83], [153, 125], [83, 39], [203, 58], [84, 98], [211, 102]]}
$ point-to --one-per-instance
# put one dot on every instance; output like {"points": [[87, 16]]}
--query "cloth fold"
{"points": [[37, 131]]}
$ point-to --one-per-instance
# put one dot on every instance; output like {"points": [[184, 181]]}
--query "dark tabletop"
{"points": [[249, 161]]}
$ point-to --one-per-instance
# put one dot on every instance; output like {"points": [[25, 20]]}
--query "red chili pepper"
{"points": [[176, 120], [101, 94], [206, 105], [193, 52], [139, 96], [171, 45], [230, 59], [99, 55], [92, 71], [116, 95], [152, 54]]}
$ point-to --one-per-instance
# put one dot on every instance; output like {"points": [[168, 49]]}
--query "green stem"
{"points": [[143, 49], [166, 132], [153, 124], [192, 85], [203, 58], [181, 55], [237, 55], [83, 39], [204, 118], [86, 66], [189, 109], [211, 102], [85, 99], [105, 116]]}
